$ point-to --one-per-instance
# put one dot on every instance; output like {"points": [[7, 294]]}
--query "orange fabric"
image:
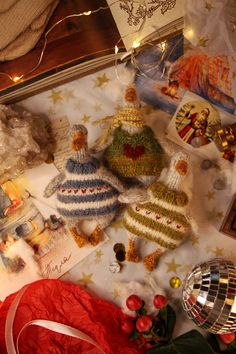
{"points": [[71, 305]]}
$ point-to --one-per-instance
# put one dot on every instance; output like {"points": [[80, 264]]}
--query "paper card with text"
{"points": [[32, 232]]}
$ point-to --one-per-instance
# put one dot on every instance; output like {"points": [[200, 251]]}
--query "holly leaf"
{"points": [[167, 317], [142, 311], [214, 343], [191, 342], [134, 335]]}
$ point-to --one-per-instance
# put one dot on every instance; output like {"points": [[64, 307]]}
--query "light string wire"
{"points": [[132, 52], [85, 13]]}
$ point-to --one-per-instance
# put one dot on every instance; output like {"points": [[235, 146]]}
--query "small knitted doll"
{"points": [[86, 191], [130, 147], [160, 214]]}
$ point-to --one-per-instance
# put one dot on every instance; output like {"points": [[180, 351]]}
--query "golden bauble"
{"points": [[175, 282]]}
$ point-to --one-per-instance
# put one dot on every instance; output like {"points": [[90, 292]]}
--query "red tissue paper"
{"points": [[71, 305]]}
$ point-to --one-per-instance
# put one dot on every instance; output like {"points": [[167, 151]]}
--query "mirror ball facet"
{"points": [[209, 296]]}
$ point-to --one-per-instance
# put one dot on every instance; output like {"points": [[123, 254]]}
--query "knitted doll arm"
{"points": [[108, 177], [99, 147], [134, 195], [53, 185]]}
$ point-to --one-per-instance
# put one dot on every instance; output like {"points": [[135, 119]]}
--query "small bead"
{"points": [[120, 255], [175, 282], [114, 267], [118, 247]]}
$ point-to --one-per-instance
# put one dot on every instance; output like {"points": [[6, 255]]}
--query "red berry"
{"points": [[148, 346], [134, 303], [160, 301], [227, 338], [144, 323], [127, 326]]}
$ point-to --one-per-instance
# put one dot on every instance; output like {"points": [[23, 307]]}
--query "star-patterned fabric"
{"points": [[91, 98]]}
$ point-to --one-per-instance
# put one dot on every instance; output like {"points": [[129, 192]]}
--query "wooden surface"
{"points": [[74, 40]]}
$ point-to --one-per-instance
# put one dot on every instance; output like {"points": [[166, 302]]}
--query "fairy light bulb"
{"points": [[87, 13], [163, 46], [136, 44], [188, 33], [16, 78], [116, 49]]}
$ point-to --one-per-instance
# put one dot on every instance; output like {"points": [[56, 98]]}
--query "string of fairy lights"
{"points": [[136, 43]]}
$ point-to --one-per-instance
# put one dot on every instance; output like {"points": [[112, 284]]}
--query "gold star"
{"points": [[194, 240], [97, 107], [218, 252], [209, 6], [117, 224], [208, 248], [116, 293], [55, 96], [202, 41], [68, 94], [85, 118], [172, 266], [234, 75], [86, 279], [101, 80], [210, 195], [99, 255]]}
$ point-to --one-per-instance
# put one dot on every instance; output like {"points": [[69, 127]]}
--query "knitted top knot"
{"points": [[162, 218], [134, 150]]}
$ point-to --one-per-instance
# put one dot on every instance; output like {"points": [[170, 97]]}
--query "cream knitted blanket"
{"points": [[22, 22]]}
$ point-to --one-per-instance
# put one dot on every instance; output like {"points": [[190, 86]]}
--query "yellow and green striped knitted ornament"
{"points": [[162, 218]]}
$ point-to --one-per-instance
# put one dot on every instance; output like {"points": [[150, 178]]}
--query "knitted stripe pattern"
{"points": [[162, 219], [83, 194], [131, 155]]}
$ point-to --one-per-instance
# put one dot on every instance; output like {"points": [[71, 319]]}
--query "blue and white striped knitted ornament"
{"points": [[84, 194]]}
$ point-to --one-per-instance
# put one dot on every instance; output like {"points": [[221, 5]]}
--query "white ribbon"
{"points": [[51, 325]]}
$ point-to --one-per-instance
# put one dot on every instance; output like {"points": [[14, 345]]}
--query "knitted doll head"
{"points": [[79, 137]]}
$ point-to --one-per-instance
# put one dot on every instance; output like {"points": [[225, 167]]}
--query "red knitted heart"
{"points": [[134, 152]]}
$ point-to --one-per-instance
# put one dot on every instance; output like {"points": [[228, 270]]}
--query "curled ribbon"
{"points": [[50, 325]]}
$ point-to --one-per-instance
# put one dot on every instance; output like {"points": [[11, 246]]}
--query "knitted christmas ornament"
{"points": [[131, 149], [161, 216], [85, 191]]}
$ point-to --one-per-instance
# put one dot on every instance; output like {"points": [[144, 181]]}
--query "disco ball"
{"points": [[209, 295]]}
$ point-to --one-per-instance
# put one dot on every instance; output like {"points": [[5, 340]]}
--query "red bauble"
{"points": [[134, 303], [144, 323], [227, 338], [127, 326], [160, 301]]}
